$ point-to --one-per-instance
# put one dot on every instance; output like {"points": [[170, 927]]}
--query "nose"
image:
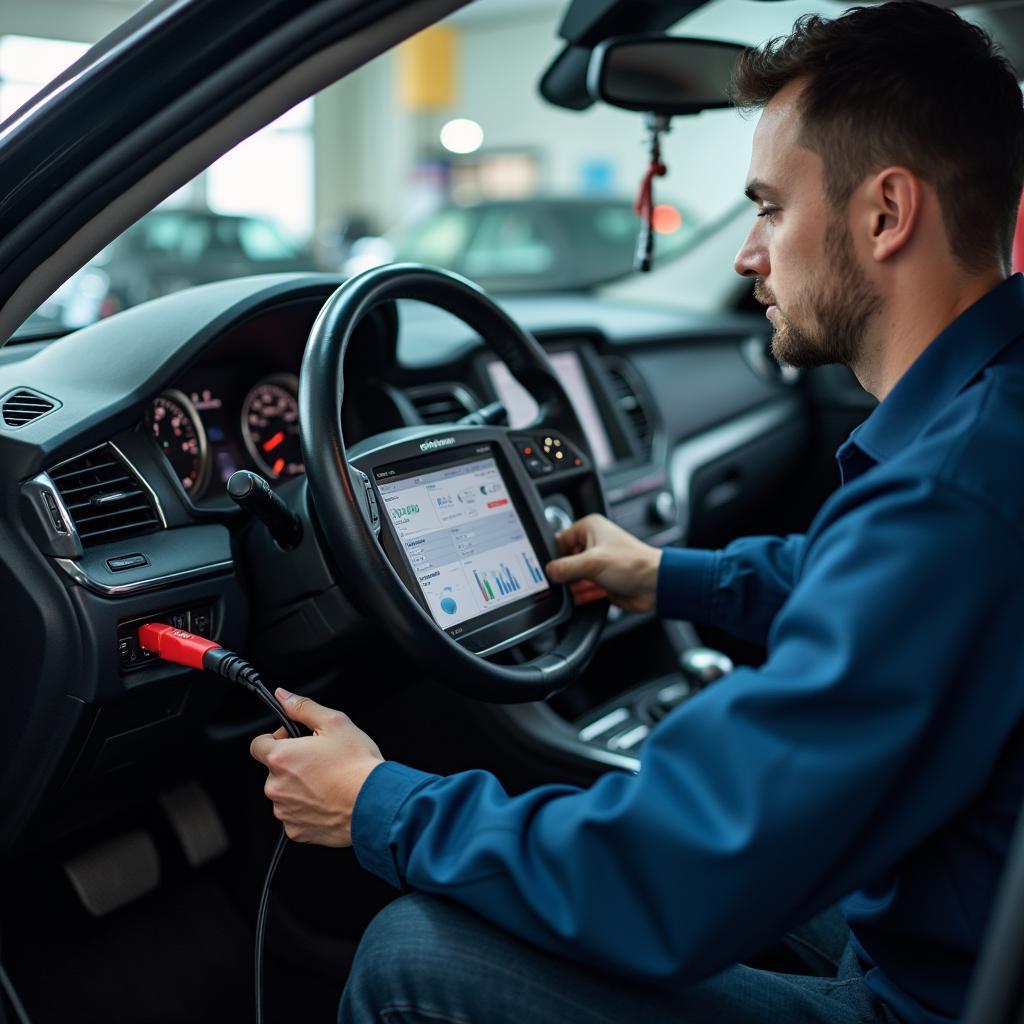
{"points": [[752, 259]]}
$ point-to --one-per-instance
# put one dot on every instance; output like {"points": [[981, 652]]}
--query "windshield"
{"points": [[426, 154]]}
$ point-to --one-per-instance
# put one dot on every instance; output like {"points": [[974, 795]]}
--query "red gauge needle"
{"points": [[272, 443], [278, 466]]}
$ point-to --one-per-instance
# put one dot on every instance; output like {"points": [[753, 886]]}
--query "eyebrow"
{"points": [[757, 190]]}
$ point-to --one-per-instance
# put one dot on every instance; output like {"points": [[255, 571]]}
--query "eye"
{"points": [[769, 212]]}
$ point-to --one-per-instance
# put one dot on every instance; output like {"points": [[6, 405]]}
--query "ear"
{"points": [[894, 199]]}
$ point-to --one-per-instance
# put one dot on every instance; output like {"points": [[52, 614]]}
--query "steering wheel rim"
{"points": [[358, 555]]}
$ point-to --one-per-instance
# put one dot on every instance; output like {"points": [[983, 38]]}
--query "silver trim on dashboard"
{"points": [[43, 480], [142, 480], [692, 455], [81, 577]]}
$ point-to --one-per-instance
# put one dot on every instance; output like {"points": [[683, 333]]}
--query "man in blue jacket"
{"points": [[876, 758]]}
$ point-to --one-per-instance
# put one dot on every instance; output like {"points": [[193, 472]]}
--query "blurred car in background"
{"points": [[529, 245], [168, 250]]}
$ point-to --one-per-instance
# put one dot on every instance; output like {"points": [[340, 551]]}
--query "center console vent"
{"points": [[442, 403], [629, 397], [105, 496]]}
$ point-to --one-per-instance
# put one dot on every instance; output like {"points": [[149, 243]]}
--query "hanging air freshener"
{"points": [[655, 124]]}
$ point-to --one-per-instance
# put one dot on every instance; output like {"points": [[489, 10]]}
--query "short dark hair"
{"points": [[909, 83]]}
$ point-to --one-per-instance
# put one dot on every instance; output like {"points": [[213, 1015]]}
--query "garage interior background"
{"points": [[365, 157]]}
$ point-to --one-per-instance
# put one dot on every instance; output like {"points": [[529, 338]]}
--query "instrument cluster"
{"points": [[213, 424]]}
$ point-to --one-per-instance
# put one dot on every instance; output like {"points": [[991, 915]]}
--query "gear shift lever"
{"points": [[702, 665]]}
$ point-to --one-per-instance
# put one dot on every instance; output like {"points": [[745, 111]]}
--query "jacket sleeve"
{"points": [[739, 589], [761, 802]]}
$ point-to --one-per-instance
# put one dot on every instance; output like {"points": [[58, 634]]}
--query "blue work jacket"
{"points": [[875, 758]]}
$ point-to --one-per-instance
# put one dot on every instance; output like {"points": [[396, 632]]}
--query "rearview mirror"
{"points": [[660, 74]]}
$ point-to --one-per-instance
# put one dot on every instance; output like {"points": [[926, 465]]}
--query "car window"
{"points": [[509, 242], [160, 234], [476, 173], [440, 239], [261, 240]]}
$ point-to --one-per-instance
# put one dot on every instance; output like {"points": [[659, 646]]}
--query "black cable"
{"points": [[237, 670], [261, 919], [12, 997]]}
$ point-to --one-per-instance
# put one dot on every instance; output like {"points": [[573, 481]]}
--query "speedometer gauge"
{"points": [[179, 432], [270, 426]]}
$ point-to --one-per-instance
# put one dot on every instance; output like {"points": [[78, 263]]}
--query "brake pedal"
{"points": [[196, 823], [115, 873]]}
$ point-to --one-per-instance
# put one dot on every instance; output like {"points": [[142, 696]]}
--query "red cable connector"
{"points": [[177, 645]]}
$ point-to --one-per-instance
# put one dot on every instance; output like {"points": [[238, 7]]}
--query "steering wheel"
{"points": [[344, 486]]}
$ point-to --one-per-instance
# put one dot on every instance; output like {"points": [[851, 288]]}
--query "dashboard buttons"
{"points": [[123, 562], [369, 504], [560, 452], [127, 651], [547, 454], [200, 622], [537, 466]]}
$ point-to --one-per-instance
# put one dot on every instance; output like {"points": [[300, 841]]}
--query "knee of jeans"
{"points": [[394, 956]]}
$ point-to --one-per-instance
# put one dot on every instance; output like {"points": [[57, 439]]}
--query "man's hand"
{"points": [[314, 781], [602, 560]]}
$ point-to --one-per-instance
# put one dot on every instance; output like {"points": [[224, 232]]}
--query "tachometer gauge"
{"points": [[270, 426], [179, 432]]}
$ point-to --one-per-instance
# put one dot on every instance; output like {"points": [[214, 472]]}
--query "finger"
{"points": [[572, 538], [307, 711], [571, 567], [261, 746], [280, 733]]}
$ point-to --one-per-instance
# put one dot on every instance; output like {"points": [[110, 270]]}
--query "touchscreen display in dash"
{"points": [[464, 539]]}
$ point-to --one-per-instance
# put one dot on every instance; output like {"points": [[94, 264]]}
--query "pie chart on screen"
{"points": [[449, 605]]}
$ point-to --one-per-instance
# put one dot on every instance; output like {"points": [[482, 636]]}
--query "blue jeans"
{"points": [[426, 961]]}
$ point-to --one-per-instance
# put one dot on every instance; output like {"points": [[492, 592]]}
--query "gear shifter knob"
{"points": [[702, 665]]}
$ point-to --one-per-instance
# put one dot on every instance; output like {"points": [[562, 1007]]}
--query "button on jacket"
{"points": [[875, 758]]}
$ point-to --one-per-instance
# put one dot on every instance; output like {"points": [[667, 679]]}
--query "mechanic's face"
{"points": [[820, 301]]}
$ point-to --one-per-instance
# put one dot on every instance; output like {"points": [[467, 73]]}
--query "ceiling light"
{"points": [[462, 136]]}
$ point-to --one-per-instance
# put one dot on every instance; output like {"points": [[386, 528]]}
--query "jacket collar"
{"points": [[972, 341]]}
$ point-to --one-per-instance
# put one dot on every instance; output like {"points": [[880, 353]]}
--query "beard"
{"points": [[829, 318]]}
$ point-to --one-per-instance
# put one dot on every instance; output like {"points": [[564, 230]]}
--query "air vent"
{"points": [[442, 403], [24, 406], [626, 393], [106, 499]]}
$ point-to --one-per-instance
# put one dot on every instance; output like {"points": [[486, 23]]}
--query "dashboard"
{"points": [[116, 509]]}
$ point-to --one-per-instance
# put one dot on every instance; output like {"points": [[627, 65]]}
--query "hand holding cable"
{"points": [[313, 781]]}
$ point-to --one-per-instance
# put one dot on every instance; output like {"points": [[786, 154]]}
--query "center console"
{"points": [[605, 719]]}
